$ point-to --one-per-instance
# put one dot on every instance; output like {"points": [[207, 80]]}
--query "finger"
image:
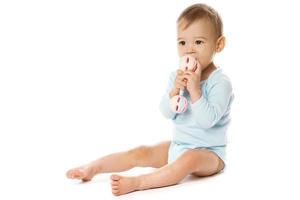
{"points": [[188, 73], [179, 78], [198, 68], [181, 84], [179, 72], [187, 77], [181, 75]]}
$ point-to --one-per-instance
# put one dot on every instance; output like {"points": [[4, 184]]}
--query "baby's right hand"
{"points": [[179, 82]]}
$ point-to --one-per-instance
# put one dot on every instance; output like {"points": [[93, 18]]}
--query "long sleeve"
{"points": [[210, 108], [164, 106]]}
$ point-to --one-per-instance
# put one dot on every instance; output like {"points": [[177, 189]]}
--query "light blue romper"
{"points": [[205, 122]]}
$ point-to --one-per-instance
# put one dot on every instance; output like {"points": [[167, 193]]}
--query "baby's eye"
{"points": [[198, 42], [181, 42]]}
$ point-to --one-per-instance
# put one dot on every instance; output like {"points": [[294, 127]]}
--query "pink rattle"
{"points": [[179, 103]]}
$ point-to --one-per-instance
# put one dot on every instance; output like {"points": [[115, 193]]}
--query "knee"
{"points": [[202, 163], [197, 159], [191, 158]]}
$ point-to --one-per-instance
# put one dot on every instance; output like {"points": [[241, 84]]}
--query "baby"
{"points": [[199, 136]]}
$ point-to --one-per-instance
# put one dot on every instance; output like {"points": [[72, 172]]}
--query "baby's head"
{"points": [[200, 33]]}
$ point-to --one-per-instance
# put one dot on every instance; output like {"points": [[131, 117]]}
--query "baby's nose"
{"points": [[190, 48]]}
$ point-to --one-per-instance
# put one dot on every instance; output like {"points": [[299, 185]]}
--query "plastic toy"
{"points": [[179, 103]]}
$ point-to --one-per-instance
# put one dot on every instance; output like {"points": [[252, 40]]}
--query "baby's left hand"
{"points": [[193, 80]]}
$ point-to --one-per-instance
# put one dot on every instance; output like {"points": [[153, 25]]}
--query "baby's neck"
{"points": [[207, 71]]}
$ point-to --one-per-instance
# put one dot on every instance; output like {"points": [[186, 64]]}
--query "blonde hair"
{"points": [[200, 11]]}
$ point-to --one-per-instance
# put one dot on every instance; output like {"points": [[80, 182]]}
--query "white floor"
{"points": [[190, 187], [36, 170], [227, 185]]}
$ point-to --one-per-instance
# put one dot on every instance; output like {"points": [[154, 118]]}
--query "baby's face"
{"points": [[198, 40]]}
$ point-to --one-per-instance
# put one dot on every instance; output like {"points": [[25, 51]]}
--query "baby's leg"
{"points": [[198, 162], [142, 156]]}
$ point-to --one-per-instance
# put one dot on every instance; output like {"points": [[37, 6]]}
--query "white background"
{"points": [[80, 79]]}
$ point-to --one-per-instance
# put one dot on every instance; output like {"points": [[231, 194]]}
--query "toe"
{"points": [[115, 177], [73, 174], [114, 190], [77, 174], [115, 187], [68, 174], [115, 184]]}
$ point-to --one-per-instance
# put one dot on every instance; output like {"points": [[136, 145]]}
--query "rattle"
{"points": [[179, 103]]}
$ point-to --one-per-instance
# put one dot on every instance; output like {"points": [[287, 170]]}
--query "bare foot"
{"points": [[123, 185], [85, 173]]}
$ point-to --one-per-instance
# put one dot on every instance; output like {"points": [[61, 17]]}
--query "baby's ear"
{"points": [[220, 44]]}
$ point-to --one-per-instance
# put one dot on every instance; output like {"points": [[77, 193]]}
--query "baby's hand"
{"points": [[180, 81], [193, 80]]}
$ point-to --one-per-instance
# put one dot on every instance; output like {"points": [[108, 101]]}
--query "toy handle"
{"points": [[181, 92]]}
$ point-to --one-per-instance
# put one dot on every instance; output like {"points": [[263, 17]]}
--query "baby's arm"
{"points": [[208, 111], [164, 105]]}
